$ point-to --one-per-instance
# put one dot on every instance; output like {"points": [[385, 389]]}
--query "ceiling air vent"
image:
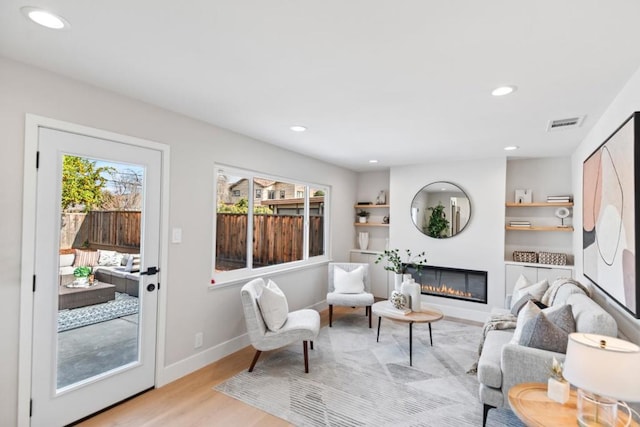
{"points": [[571, 123]]}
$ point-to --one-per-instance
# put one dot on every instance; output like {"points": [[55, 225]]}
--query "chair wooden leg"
{"points": [[306, 357], [255, 359], [369, 311], [330, 314]]}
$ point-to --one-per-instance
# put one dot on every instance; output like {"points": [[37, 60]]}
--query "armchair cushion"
{"points": [[349, 282], [273, 306]]}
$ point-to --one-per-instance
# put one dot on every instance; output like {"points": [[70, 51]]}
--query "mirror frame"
{"points": [[422, 190]]}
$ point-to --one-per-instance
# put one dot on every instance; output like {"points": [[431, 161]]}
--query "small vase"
{"points": [[363, 240], [398, 278], [558, 390], [398, 300], [362, 219], [412, 290]]}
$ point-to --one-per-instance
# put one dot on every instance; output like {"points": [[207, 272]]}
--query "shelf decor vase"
{"points": [[398, 300], [362, 219], [363, 240], [558, 390]]}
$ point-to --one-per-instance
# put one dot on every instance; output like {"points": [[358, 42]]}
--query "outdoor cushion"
{"points": [[85, 258], [109, 258]]}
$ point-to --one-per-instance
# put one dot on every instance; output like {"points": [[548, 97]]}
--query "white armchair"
{"points": [[299, 325], [363, 298]]}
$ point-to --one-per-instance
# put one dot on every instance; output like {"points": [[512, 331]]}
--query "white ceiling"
{"points": [[401, 81]]}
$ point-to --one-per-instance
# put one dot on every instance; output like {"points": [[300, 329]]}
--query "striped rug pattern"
{"points": [[356, 381]]}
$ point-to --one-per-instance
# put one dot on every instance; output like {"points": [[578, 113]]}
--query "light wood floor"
{"points": [[191, 400]]}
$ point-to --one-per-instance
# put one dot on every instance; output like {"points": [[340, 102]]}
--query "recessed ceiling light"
{"points": [[503, 90], [298, 128], [45, 18], [373, 161], [511, 148]]}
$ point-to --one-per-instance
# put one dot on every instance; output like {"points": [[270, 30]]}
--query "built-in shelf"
{"points": [[370, 224], [538, 205], [370, 206], [534, 228]]}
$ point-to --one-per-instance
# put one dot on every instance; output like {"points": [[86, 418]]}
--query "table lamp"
{"points": [[605, 370]]}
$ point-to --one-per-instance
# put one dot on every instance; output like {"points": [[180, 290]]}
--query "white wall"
{"points": [[195, 146], [478, 247], [627, 101]]}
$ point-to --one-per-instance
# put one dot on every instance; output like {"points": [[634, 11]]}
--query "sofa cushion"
{"points": [[590, 317], [536, 290], [348, 282], [86, 258], [562, 317], [528, 312], [515, 310], [489, 370], [66, 260], [540, 332]]}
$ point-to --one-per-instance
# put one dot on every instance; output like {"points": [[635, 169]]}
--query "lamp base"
{"points": [[594, 410]]}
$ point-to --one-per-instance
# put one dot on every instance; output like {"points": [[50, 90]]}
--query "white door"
{"points": [[94, 338]]}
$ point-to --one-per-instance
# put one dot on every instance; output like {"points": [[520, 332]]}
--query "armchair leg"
{"points": [[255, 359], [330, 314], [369, 313], [306, 357], [485, 411]]}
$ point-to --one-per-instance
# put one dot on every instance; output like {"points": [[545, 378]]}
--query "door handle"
{"points": [[151, 287], [150, 271]]}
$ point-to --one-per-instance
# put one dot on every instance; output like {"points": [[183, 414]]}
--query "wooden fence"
{"points": [[276, 238], [114, 230]]}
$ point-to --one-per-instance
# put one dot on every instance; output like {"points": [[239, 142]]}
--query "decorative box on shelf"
{"points": [[552, 258], [525, 256]]}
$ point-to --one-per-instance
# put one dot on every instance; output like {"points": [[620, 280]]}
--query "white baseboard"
{"points": [[197, 361]]}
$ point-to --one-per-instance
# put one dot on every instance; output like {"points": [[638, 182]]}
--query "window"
{"points": [[236, 193], [256, 234]]}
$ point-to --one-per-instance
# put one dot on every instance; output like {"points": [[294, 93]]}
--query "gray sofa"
{"points": [[503, 364], [125, 275]]}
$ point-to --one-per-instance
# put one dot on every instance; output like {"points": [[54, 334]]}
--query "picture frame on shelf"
{"points": [[609, 218], [523, 196]]}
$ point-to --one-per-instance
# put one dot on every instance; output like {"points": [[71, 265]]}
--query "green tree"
{"points": [[242, 207], [438, 223], [82, 183]]}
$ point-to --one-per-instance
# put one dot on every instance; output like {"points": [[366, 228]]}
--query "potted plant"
{"points": [[363, 215], [438, 223], [396, 265], [81, 274]]}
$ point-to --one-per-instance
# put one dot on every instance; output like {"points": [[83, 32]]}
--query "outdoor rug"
{"points": [[355, 381], [123, 305]]}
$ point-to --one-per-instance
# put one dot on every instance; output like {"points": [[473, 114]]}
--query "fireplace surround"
{"points": [[448, 282]]}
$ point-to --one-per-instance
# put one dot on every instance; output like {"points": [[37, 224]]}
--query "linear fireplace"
{"points": [[457, 283]]}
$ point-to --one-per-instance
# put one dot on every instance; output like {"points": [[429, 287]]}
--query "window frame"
{"points": [[220, 279]]}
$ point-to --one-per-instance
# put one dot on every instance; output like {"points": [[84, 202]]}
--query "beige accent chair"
{"points": [[364, 299], [301, 325]]}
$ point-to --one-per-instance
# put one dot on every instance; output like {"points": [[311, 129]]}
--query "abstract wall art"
{"points": [[609, 224]]}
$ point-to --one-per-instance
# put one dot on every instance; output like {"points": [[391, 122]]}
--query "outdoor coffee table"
{"points": [[74, 297], [425, 315]]}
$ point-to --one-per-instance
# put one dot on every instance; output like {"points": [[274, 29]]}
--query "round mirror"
{"points": [[440, 210]]}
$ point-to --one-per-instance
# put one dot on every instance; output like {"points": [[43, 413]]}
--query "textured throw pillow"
{"points": [[540, 332], [109, 258], [521, 283], [562, 317], [85, 258], [528, 312], [536, 290], [348, 282], [273, 305]]}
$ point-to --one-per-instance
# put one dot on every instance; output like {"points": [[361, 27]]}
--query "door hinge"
{"points": [[158, 285], [37, 159], [30, 407], [34, 283]]}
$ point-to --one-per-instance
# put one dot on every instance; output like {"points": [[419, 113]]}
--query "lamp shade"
{"points": [[603, 365]]}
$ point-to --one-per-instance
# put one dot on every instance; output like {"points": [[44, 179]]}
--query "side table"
{"points": [[530, 403]]}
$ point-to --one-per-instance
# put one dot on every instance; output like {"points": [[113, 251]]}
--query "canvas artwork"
{"points": [[608, 216]]}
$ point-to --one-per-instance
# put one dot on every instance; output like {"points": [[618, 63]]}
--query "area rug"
{"points": [[356, 381], [123, 305]]}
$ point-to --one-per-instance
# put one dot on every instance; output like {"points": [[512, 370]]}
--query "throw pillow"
{"points": [[109, 258], [521, 283], [562, 317], [540, 332], [85, 258], [348, 282], [536, 290], [273, 306], [528, 312], [515, 310]]}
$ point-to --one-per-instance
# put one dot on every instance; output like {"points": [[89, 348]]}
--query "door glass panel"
{"points": [[98, 268]]}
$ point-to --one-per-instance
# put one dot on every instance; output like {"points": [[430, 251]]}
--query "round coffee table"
{"points": [[425, 315]]}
